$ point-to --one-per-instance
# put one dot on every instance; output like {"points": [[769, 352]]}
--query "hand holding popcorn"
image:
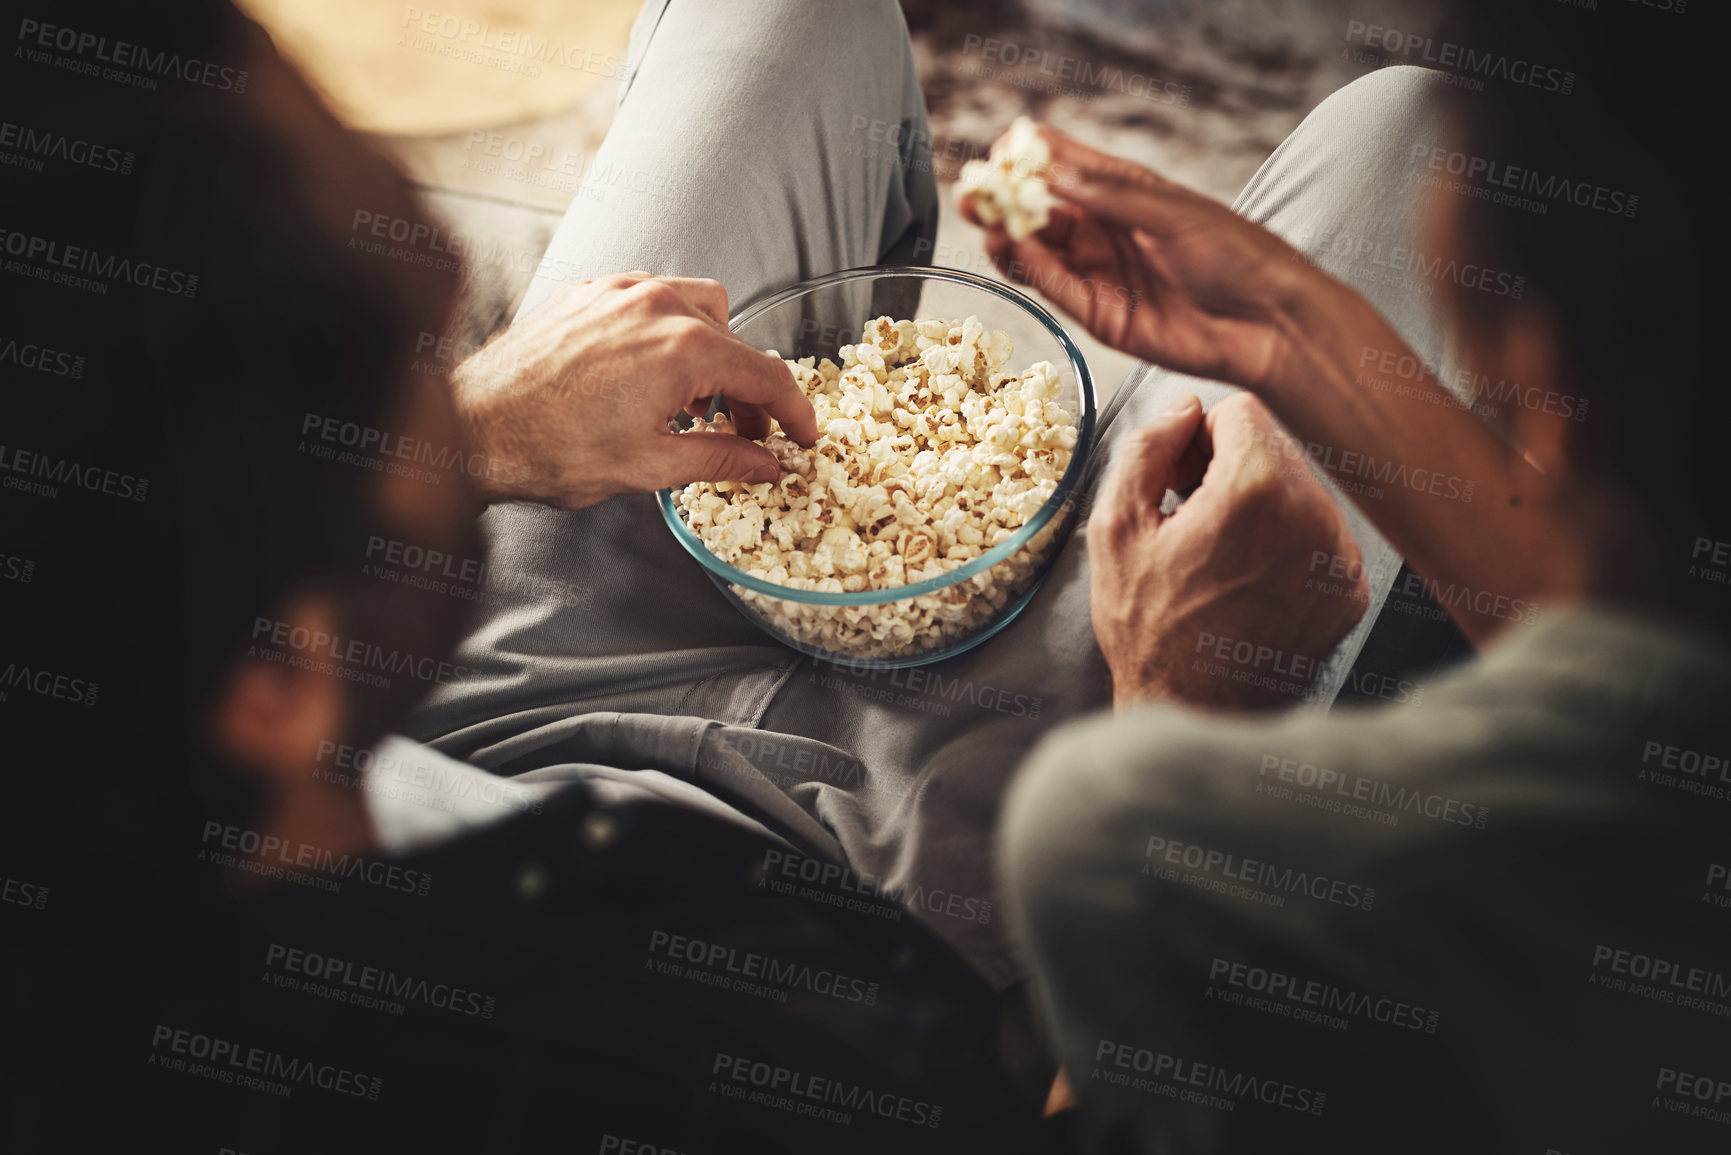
{"points": [[1009, 189]]}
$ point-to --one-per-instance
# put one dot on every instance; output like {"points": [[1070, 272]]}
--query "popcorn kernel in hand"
{"points": [[1009, 188]]}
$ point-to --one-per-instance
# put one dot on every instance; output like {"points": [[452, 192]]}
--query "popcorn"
{"points": [[1010, 187], [929, 454]]}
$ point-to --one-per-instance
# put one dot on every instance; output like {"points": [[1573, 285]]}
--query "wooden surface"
{"points": [[438, 65]]}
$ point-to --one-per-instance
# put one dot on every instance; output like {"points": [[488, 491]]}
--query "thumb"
{"points": [[1146, 463], [1154, 455], [681, 458]]}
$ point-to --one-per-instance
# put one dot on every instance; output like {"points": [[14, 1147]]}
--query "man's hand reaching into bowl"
{"points": [[571, 405]]}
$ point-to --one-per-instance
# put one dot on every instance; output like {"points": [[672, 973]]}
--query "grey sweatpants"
{"points": [[762, 143]]}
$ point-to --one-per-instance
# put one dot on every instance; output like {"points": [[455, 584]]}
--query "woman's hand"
{"points": [[1176, 279], [1156, 270], [570, 405], [1214, 604]]}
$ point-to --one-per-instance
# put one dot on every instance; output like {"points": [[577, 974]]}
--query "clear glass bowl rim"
{"points": [[1016, 541]]}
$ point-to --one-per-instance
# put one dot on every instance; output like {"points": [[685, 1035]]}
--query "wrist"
{"points": [[1198, 689], [495, 464], [1314, 315]]}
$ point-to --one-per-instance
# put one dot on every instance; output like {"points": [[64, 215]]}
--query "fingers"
{"points": [[705, 296], [749, 377], [1163, 448], [965, 205], [1153, 204], [1148, 462], [1100, 300], [1254, 461], [681, 458], [1241, 427], [1114, 188], [1033, 263], [1073, 161], [701, 296], [750, 420], [1110, 187], [1057, 235], [758, 387]]}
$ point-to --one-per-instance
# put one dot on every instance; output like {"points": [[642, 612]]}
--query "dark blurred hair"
{"points": [[200, 396], [1627, 104]]}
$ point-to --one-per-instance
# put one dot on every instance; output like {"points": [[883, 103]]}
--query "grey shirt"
{"points": [[1496, 918]]}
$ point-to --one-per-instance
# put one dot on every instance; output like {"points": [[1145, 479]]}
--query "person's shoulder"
{"points": [[1569, 725], [1581, 688]]}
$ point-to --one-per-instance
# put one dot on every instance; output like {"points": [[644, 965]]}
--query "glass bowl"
{"points": [[965, 606]]}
